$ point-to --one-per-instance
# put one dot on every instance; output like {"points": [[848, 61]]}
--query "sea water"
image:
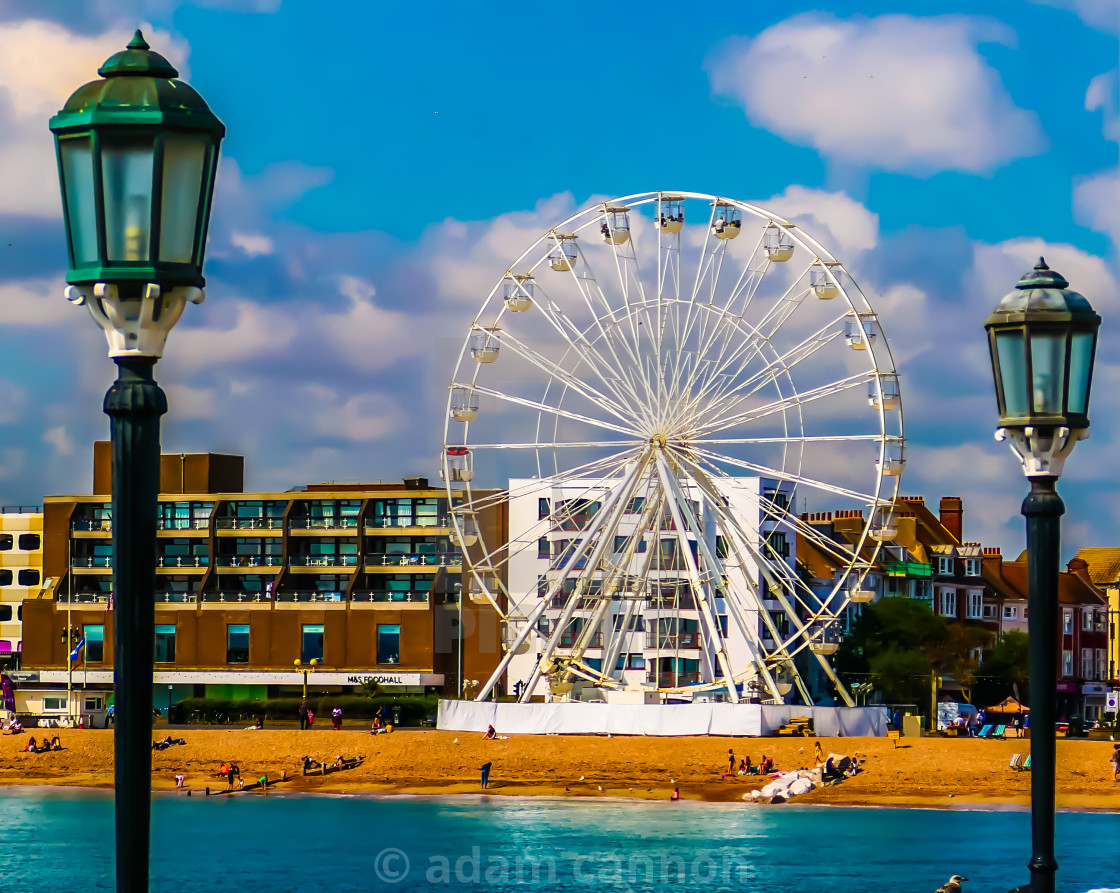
{"points": [[63, 841]]}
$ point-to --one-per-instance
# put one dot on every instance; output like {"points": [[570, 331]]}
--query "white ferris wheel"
{"points": [[648, 401]]}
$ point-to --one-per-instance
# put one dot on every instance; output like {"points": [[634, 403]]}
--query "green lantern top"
{"points": [[139, 87], [1042, 290]]}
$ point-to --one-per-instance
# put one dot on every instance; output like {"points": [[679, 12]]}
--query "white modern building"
{"points": [[630, 612]]}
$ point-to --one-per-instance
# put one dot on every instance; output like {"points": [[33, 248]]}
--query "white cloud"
{"points": [[1104, 94], [59, 439], [848, 227], [1096, 203], [253, 244], [187, 402], [998, 267], [1102, 14], [41, 64], [897, 91], [38, 302]]}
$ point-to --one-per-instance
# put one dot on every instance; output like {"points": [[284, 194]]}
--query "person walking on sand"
{"points": [[303, 716], [1115, 759], [485, 770], [819, 753], [336, 718], [730, 761]]}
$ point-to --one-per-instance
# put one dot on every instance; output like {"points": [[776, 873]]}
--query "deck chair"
{"points": [[1026, 764], [1000, 732], [1016, 762], [985, 731]]}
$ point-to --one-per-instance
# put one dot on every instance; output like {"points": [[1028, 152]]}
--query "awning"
{"points": [[1009, 705], [5, 646]]}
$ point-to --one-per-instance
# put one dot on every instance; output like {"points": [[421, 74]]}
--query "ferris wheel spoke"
{"points": [[559, 445], [576, 384], [548, 408], [823, 438], [580, 282], [781, 475], [768, 409]]}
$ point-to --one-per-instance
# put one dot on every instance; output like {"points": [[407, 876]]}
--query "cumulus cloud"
{"points": [[93, 16], [897, 92], [253, 244], [41, 64], [58, 438], [840, 222], [1096, 203]]}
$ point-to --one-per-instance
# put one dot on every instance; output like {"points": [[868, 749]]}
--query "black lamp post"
{"points": [[137, 154], [1043, 339]]}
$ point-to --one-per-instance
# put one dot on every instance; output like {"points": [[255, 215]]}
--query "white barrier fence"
{"points": [[569, 718]]}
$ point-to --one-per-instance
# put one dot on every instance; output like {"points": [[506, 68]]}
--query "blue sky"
{"points": [[386, 162]]}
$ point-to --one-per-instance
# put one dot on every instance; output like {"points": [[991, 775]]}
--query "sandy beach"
{"points": [[927, 772]]}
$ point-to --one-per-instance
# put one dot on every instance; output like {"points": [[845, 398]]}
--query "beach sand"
{"points": [[927, 772]]}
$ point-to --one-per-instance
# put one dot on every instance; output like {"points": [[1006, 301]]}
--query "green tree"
{"points": [[1007, 668]]}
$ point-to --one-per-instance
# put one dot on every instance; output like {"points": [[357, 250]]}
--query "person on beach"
{"points": [[491, 734], [730, 761], [336, 718], [303, 713], [676, 794], [485, 770], [375, 726], [180, 780], [819, 753], [1115, 760], [310, 718], [30, 746]]}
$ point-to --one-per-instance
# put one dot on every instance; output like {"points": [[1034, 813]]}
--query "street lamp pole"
{"points": [[137, 154], [310, 668], [1042, 338]]}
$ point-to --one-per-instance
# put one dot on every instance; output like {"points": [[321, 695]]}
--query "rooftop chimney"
{"points": [[951, 513]]}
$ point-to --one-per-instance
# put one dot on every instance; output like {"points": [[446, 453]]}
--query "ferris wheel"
{"points": [[646, 406]]}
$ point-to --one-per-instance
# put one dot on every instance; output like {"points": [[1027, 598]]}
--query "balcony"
{"points": [[86, 525], [426, 559], [568, 640], [401, 521], [250, 524], [323, 560], [907, 569], [377, 596], [176, 598], [559, 602], [668, 642], [98, 561], [673, 603], [309, 597], [666, 679], [86, 598], [249, 561]]}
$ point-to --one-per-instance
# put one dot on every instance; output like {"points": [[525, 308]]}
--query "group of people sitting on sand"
{"points": [[340, 762], [746, 767], [12, 726], [44, 746], [167, 742]]}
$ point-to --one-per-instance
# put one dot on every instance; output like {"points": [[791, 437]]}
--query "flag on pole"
{"points": [[78, 648]]}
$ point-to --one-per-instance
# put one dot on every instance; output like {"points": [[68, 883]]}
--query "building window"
{"points": [[5, 577], [6, 542], [1087, 617], [975, 606], [237, 643], [54, 703], [972, 567], [544, 509], [1087, 663], [1067, 623], [165, 643], [945, 566], [1010, 612], [635, 505], [630, 662], [621, 541], [5, 613], [311, 643], [28, 577], [1102, 664], [947, 603], [543, 548], [95, 642], [389, 644], [29, 542], [1067, 663], [94, 704]]}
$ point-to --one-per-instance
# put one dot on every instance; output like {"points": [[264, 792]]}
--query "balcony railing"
{"points": [[181, 598], [907, 569], [348, 523], [234, 597], [301, 596], [22, 509], [92, 561], [249, 561], [568, 640], [250, 523], [85, 524], [408, 521], [183, 561], [668, 642], [323, 560], [669, 602], [559, 602], [183, 524], [86, 598], [390, 597], [425, 559], [666, 678]]}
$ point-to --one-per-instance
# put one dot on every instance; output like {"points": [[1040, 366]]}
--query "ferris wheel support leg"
{"points": [[503, 664], [831, 674], [614, 500], [675, 501]]}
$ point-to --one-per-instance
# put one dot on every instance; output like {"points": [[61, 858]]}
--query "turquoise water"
{"points": [[51, 841]]}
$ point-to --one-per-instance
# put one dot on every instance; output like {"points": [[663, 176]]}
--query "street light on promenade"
{"points": [[137, 153], [310, 668], [1043, 339]]}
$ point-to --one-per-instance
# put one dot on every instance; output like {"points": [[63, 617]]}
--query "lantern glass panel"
{"points": [[81, 203], [1080, 362], [1012, 372], [126, 172], [184, 162], [1048, 357]]}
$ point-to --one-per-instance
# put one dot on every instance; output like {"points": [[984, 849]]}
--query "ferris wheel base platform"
{"points": [[724, 720]]}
